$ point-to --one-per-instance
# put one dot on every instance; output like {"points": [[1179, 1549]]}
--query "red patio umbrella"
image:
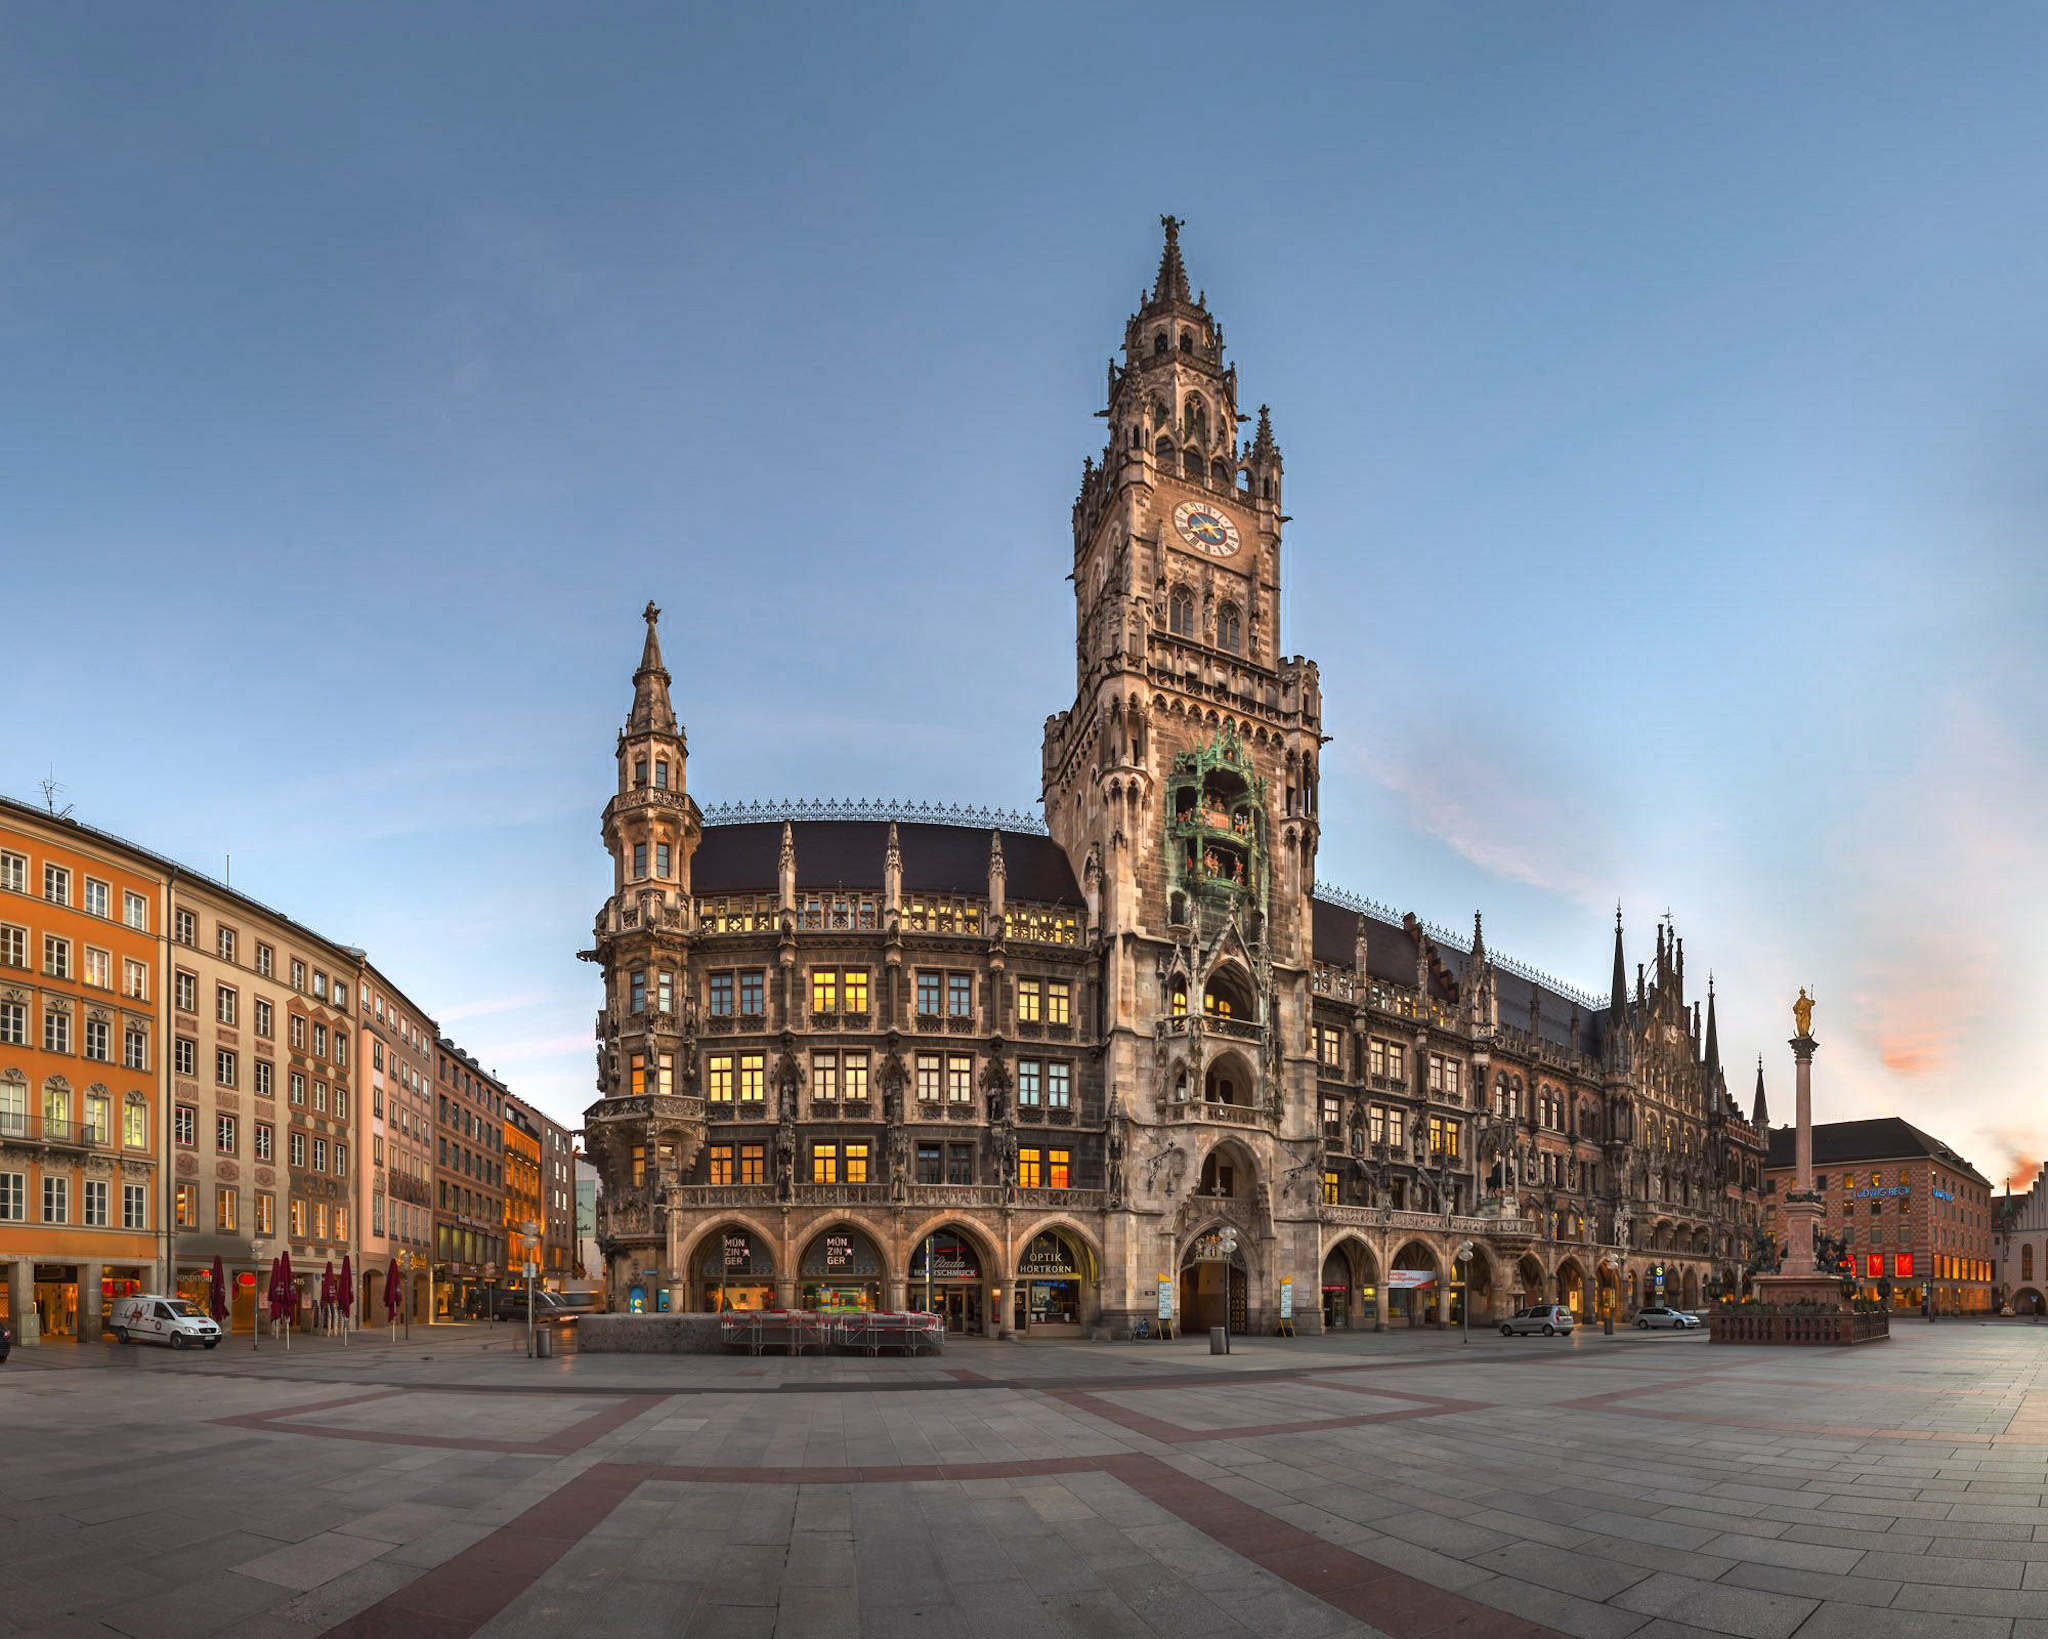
{"points": [[273, 1290], [287, 1294], [327, 1286], [217, 1304], [394, 1294], [345, 1287]]}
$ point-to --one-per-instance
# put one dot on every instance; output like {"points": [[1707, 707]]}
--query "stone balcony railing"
{"points": [[1372, 1217], [702, 1196], [1223, 1115]]}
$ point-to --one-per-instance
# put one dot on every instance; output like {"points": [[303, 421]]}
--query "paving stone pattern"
{"points": [[1405, 1484]]}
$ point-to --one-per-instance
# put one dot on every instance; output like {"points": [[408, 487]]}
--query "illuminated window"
{"points": [[227, 1210], [636, 1074], [824, 1163], [825, 1076], [718, 1078], [1332, 1188], [853, 989], [1330, 1046], [1030, 1001], [1058, 1164], [1443, 1136], [753, 1086], [753, 1163], [857, 1163], [1180, 999], [959, 1079], [1058, 1002], [188, 1206], [266, 1213], [824, 991], [721, 1164], [854, 1075], [1031, 1168], [930, 1071]]}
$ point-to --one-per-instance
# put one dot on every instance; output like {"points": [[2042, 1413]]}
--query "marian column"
{"points": [[1802, 1206]]}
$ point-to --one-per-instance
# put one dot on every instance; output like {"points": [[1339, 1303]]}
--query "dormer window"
{"points": [[1159, 343], [639, 772], [1187, 341], [661, 774]]}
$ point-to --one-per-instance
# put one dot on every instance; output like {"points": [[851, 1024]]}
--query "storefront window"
{"points": [[735, 1270], [841, 1269], [1050, 1278]]}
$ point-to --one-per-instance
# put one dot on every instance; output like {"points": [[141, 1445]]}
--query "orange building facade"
{"points": [[81, 1093], [1913, 1214]]}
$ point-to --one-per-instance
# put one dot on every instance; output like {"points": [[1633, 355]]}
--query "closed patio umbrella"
{"points": [[287, 1297], [394, 1297], [345, 1287], [217, 1304]]}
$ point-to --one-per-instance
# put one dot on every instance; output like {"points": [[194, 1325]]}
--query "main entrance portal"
{"points": [[1215, 1288]]}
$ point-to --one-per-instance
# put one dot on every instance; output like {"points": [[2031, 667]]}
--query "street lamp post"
{"points": [[532, 1231], [1464, 1257], [255, 1319], [1614, 1298]]}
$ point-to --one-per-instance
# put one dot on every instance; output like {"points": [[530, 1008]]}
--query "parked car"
{"points": [[1657, 1314], [6, 1342], [150, 1318], [1547, 1318], [509, 1303]]}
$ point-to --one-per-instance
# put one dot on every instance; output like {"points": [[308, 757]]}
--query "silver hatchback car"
{"points": [[1547, 1318], [1656, 1314]]}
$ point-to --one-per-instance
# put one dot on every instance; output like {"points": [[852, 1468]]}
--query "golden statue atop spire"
{"points": [[1802, 1012]]}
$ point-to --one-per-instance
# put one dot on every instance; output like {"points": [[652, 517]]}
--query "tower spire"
{"points": [[1713, 1034], [1760, 1113], [1615, 1034], [1172, 283], [652, 713]]}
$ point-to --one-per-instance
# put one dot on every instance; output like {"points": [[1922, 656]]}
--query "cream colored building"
{"points": [[396, 1164], [262, 1094]]}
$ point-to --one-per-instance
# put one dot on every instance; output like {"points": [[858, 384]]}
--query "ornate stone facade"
{"points": [[1034, 1079]]}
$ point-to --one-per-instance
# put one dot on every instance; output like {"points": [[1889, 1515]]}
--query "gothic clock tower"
{"points": [[1182, 784]]}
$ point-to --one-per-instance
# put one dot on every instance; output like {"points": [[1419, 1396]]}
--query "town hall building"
{"points": [[1131, 1062]]}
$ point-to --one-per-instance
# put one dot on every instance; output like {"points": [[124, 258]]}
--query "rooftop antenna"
{"points": [[51, 787]]}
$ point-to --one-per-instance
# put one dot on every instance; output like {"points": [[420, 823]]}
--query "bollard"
{"points": [[1219, 1340], [544, 1344]]}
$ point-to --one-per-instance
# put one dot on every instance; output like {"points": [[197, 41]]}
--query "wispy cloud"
{"points": [[1514, 826], [492, 1005]]}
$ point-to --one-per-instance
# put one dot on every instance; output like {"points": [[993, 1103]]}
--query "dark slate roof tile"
{"points": [[849, 853]]}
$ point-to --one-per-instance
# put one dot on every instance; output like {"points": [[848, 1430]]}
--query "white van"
{"points": [[152, 1319]]}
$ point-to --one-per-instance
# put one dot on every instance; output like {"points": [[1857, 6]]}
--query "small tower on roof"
{"points": [[651, 826], [1760, 1112]]}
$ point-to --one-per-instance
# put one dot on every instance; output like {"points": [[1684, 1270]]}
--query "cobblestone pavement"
{"points": [[1406, 1484]]}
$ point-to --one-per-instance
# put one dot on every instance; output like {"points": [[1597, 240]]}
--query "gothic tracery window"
{"points": [[1180, 612], [1229, 628]]}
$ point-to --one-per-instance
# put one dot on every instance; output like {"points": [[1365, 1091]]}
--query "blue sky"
{"points": [[1662, 392]]}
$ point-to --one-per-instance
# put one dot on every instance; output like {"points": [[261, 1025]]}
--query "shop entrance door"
{"points": [[57, 1299], [961, 1305]]}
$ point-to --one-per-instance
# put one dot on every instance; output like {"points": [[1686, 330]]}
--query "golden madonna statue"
{"points": [[1802, 1012]]}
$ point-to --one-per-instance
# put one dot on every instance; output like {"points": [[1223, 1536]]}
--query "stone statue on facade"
{"points": [[785, 1156], [1115, 1155], [899, 1162]]}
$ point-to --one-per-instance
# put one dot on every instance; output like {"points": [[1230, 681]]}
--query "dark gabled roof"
{"points": [[1882, 1138], [746, 858], [1390, 955]]}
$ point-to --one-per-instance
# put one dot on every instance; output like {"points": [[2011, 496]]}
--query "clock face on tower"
{"points": [[1207, 528]]}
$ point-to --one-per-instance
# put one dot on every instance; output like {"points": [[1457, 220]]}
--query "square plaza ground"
{"points": [[1407, 1484]]}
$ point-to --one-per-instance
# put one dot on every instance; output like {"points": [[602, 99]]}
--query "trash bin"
{"points": [[1219, 1340], [544, 1343]]}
